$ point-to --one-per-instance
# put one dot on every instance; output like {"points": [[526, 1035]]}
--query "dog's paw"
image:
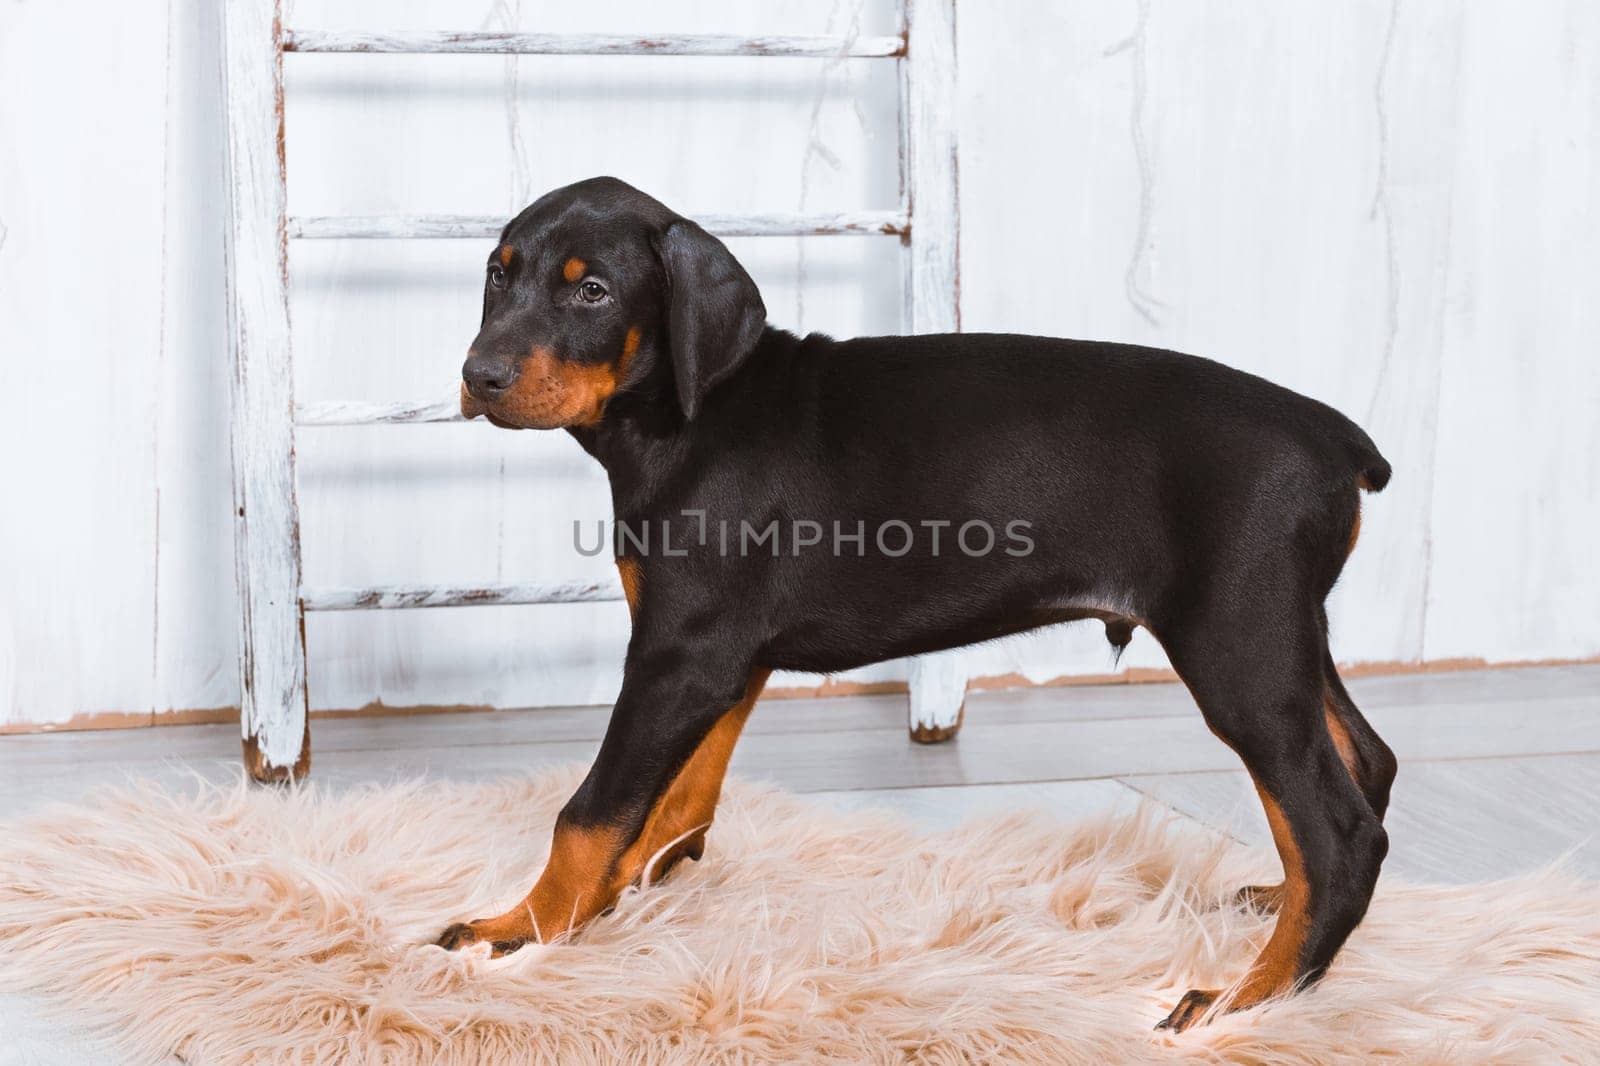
{"points": [[465, 934], [456, 937], [1190, 1009], [1265, 899]]}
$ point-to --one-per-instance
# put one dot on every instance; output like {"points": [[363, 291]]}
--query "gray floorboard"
{"points": [[1500, 768], [1452, 821]]}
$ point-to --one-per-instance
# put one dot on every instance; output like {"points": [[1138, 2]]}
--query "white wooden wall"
{"points": [[1393, 207]]}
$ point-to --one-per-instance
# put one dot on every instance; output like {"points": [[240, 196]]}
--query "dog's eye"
{"points": [[497, 276], [591, 292]]}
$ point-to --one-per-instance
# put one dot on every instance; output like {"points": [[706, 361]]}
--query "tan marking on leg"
{"points": [[677, 824], [577, 884], [1276, 968], [1341, 737], [590, 866], [574, 268], [632, 578]]}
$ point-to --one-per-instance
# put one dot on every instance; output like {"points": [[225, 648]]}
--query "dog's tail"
{"points": [[1375, 474], [1373, 469]]}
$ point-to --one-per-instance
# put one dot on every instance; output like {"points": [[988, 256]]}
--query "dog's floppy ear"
{"points": [[714, 311]]}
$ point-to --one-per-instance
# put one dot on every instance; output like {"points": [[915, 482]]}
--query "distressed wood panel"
{"points": [[1514, 570], [1264, 184], [383, 135], [80, 334], [195, 634]]}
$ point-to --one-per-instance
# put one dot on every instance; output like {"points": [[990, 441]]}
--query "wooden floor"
{"points": [[1500, 769]]}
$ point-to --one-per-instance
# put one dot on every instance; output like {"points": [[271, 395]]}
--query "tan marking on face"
{"points": [[574, 269], [506, 252], [628, 570], [550, 393], [471, 407], [1355, 531]]}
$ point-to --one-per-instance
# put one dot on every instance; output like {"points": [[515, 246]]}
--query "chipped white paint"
{"points": [[938, 683], [405, 597], [938, 694], [845, 223], [272, 674], [593, 44], [361, 413]]}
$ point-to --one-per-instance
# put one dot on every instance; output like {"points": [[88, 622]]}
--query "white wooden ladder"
{"points": [[272, 601]]}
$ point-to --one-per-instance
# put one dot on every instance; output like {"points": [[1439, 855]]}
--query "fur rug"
{"points": [[242, 925]]}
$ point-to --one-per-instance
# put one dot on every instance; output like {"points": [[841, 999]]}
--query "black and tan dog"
{"points": [[1155, 489]]}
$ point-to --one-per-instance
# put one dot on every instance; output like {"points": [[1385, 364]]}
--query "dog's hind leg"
{"points": [[1257, 676], [1368, 759]]}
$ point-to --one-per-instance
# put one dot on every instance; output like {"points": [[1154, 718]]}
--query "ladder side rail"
{"points": [[272, 665]]}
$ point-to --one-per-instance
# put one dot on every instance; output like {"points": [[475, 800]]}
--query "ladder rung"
{"points": [[366, 413], [850, 223], [391, 597], [592, 44]]}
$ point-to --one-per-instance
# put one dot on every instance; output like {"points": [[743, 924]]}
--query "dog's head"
{"points": [[596, 289]]}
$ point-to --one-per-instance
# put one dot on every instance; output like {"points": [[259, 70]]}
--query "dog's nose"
{"points": [[487, 376]]}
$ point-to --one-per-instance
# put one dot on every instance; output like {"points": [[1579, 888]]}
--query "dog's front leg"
{"points": [[645, 803]]}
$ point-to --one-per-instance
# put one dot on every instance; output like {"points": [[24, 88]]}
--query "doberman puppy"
{"points": [[818, 505]]}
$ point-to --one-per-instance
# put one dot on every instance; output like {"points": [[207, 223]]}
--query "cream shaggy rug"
{"points": [[242, 925]]}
